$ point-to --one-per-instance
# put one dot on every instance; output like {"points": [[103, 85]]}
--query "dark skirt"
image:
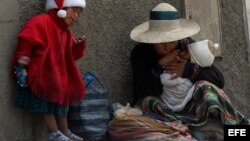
{"points": [[26, 99]]}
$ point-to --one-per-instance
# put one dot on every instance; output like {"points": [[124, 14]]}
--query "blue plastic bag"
{"points": [[90, 118]]}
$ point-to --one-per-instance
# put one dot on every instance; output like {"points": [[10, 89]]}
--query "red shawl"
{"points": [[52, 72]]}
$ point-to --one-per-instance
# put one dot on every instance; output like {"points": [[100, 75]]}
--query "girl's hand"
{"points": [[80, 40]]}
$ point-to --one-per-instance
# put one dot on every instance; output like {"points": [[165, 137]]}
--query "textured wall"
{"points": [[234, 62], [14, 123], [107, 24]]}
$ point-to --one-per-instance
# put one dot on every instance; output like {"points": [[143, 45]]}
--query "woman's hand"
{"points": [[184, 54], [169, 58], [177, 67]]}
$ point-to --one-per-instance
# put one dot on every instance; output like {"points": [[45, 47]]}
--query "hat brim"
{"points": [[141, 33]]}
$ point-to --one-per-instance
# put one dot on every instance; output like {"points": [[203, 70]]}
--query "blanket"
{"points": [[207, 100], [141, 128]]}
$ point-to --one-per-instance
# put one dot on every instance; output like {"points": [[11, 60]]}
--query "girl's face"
{"points": [[72, 15], [163, 49]]}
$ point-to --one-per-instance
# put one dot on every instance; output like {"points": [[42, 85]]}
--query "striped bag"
{"points": [[90, 118]]}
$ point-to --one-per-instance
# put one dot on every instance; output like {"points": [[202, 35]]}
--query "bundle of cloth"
{"points": [[129, 124]]}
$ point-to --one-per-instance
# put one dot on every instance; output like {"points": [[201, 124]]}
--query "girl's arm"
{"points": [[79, 47], [21, 62]]}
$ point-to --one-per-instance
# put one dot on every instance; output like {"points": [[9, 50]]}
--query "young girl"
{"points": [[44, 60]]}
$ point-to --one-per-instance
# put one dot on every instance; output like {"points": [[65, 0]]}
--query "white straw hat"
{"points": [[164, 26], [60, 4], [203, 52]]}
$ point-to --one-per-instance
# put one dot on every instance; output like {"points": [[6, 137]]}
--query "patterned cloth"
{"points": [[207, 98], [143, 128]]}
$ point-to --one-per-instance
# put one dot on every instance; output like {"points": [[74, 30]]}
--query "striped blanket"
{"points": [[206, 99], [143, 128]]}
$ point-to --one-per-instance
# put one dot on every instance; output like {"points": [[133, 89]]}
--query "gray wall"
{"points": [[234, 62], [107, 24]]}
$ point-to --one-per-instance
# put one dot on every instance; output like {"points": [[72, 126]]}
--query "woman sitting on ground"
{"points": [[167, 35]]}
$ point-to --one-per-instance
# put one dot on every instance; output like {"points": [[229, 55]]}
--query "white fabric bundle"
{"points": [[176, 92]]}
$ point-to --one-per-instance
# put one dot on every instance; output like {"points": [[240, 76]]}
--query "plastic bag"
{"points": [[123, 112], [90, 118]]}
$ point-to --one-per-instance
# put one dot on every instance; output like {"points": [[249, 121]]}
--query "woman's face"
{"points": [[72, 15], [163, 49]]}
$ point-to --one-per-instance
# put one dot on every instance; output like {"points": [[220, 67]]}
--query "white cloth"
{"points": [[176, 92]]}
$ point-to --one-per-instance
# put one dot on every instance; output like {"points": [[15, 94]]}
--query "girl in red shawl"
{"points": [[46, 52]]}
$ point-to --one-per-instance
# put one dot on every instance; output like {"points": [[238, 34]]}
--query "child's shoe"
{"points": [[58, 136], [72, 136]]}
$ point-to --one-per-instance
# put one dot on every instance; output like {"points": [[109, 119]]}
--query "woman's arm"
{"points": [[211, 74], [144, 67], [186, 69]]}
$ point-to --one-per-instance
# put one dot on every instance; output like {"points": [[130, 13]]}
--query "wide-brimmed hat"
{"points": [[164, 26]]}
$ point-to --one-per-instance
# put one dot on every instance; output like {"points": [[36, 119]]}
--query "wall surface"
{"points": [[14, 122], [234, 62], [246, 10], [107, 25]]}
